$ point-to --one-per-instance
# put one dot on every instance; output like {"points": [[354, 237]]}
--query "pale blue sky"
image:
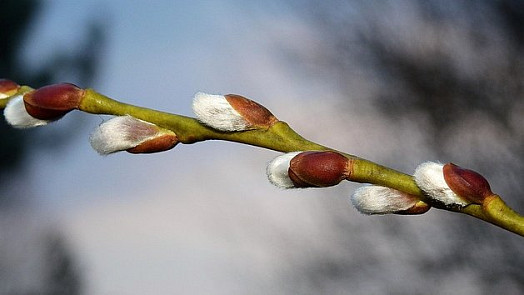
{"points": [[177, 222], [202, 218], [159, 56]]}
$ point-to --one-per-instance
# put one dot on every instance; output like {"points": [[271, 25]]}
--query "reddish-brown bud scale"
{"points": [[419, 208], [53, 101], [254, 113], [318, 169], [8, 87], [155, 145], [466, 183]]}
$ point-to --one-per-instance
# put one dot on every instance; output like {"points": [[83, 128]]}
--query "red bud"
{"points": [[466, 183], [53, 101], [254, 113], [157, 144], [318, 169], [8, 87]]}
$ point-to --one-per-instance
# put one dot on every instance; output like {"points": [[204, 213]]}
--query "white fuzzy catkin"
{"points": [[216, 112], [121, 133], [429, 177], [17, 116], [374, 199], [277, 170]]}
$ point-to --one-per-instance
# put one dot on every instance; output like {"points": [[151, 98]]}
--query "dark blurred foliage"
{"points": [[62, 277], [79, 65], [452, 61], [434, 85], [15, 17], [457, 68]]}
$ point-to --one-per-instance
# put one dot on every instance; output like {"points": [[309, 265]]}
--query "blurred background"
{"points": [[396, 82]]}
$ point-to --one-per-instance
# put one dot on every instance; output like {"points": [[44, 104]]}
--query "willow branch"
{"points": [[279, 136]]}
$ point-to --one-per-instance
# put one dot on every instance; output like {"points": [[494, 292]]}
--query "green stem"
{"points": [[280, 137], [500, 214]]}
